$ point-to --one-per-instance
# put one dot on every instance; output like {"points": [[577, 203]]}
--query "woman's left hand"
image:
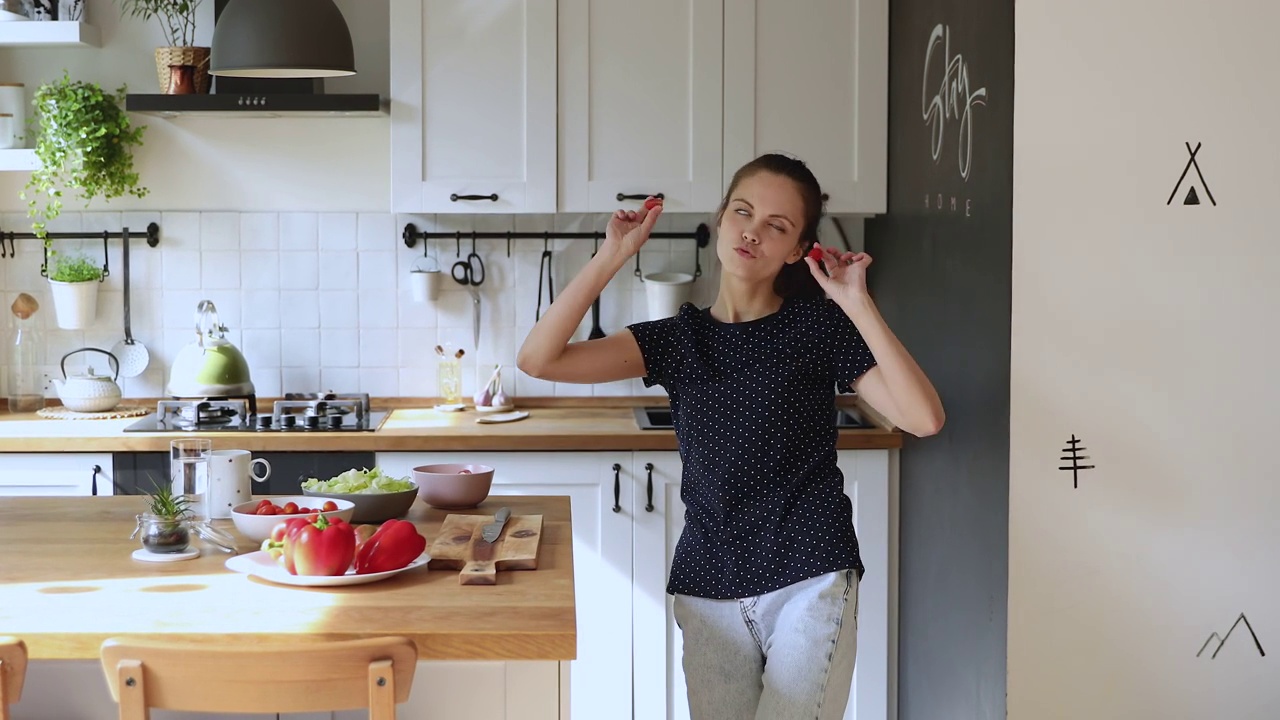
{"points": [[846, 275]]}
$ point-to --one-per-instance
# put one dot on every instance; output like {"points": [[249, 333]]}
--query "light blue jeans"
{"points": [[784, 655]]}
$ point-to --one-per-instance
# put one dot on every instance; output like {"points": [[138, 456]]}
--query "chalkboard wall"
{"points": [[942, 277]]}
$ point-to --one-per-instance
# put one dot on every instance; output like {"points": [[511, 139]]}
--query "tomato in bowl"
{"points": [[255, 518]]}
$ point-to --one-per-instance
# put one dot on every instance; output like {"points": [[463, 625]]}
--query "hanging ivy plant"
{"points": [[85, 144]]}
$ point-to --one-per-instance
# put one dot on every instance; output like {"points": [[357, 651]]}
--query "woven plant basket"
{"points": [[197, 57]]}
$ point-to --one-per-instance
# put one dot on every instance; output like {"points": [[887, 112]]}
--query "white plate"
{"points": [[503, 417], [260, 564], [495, 408]]}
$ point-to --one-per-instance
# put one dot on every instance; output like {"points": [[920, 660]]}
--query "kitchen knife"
{"points": [[491, 531]]}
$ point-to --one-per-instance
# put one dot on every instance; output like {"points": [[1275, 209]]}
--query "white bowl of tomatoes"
{"points": [[256, 518]]}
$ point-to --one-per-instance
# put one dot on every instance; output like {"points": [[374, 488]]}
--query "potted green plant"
{"points": [[84, 144], [73, 284], [182, 67], [165, 527]]}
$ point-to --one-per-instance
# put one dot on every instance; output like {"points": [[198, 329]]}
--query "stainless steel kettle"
{"points": [[211, 366]]}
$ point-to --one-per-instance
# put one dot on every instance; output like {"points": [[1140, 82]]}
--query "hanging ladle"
{"points": [[596, 332], [132, 355]]}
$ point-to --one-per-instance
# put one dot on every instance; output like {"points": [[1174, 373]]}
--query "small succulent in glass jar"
{"points": [[165, 527]]}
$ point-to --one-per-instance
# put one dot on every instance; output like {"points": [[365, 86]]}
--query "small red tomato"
{"points": [[816, 253], [329, 506], [652, 203], [290, 508]]}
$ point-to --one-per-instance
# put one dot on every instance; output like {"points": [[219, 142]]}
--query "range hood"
{"points": [[259, 97]]}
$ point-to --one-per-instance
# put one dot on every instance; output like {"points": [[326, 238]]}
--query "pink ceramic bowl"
{"points": [[453, 486]]}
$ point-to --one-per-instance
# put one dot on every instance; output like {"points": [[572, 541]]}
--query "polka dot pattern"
{"points": [[752, 404]]}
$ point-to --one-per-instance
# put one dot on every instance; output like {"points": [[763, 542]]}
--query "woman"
{"points": [[766, 570]]}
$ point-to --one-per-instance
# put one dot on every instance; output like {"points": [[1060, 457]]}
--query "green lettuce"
{"points": [[359, 481]]}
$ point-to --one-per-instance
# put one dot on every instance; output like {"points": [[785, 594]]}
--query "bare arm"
{"points": [[547, 353], [896, 387]]}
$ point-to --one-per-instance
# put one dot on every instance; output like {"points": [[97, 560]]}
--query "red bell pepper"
{"points": [[319, 547], [396, 544]]}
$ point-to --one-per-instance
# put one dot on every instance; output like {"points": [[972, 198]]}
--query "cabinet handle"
{"points": [[456, 197], [94, 484], [649, 489], [617, 487], [622, 197]]}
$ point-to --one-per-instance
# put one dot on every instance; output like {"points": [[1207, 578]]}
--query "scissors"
{"points": [[470, 272]]}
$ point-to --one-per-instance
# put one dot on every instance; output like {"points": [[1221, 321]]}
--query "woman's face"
{"points": [[760, 229]]}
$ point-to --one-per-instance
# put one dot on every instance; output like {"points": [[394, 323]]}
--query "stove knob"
{"points": [[264, 422], [288, 421], [313, 422], [335, 421]]}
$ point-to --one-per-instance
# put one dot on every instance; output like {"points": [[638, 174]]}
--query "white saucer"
{"points": [[495, 408], [454, 407], [146, 555], [503, 417]]}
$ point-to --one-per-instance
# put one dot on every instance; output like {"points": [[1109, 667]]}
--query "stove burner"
{"points": [[298, 412]]}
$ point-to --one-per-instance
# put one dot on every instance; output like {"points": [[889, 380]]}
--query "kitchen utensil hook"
{"points": [[457, 244], [544, 265]]}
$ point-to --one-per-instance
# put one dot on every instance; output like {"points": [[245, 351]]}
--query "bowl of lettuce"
{"points": [[377, 497]]}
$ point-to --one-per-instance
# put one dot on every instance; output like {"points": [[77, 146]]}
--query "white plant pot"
{"points": [[75, 304]]}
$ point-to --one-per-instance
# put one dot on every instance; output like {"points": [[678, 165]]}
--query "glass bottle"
{"points": [[25, 384]]}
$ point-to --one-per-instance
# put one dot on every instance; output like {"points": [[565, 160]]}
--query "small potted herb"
{"points": [[165, 527], [73, 284]]}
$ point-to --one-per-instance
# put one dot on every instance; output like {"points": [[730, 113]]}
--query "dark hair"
{"points": [[794, 280]]}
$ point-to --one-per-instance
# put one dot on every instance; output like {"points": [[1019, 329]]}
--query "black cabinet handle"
{"points": [[617, 487], [94, 485], [455, 197], [649, 488], [622, 196]]}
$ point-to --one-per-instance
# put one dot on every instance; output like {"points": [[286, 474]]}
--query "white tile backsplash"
{"points": [[320, 301]]}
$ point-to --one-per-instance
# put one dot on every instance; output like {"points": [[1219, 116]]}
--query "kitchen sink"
{"points": [[659, 418]]}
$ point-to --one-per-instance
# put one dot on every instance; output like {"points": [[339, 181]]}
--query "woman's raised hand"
{"points": [[629, 229], [845, 278]]}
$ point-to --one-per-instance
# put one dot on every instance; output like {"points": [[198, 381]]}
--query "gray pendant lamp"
{"points": [[281, 39]]}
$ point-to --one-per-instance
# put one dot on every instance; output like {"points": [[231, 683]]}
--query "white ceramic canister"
{"points": [[12, 102]]}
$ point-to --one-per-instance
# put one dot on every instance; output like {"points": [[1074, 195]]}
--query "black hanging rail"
{"points": [[11, 251], [412, 235]]}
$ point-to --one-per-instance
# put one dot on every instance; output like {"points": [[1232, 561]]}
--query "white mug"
{"points": [[230, 475]]}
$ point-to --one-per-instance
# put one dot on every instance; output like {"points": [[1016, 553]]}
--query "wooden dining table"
{"points": [[68, 581]]}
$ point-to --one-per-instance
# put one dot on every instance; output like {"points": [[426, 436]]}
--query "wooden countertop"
{"points": [[586, 427], [67, 582]]}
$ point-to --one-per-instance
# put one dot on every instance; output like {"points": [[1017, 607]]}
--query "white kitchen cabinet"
{"points": [[811, 79], [473, 106], [659, 676], [599, 683], [55, 474], [640, 111]]}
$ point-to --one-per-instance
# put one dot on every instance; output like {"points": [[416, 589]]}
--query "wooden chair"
{"points": [[13, 671], [375, 673]]}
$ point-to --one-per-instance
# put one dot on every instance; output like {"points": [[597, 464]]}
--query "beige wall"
{"points": [[1147, 330]]}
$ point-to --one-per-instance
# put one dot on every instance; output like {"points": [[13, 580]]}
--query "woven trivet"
{"points": [[121, 411]]}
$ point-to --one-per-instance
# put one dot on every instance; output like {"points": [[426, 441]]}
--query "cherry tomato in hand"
{"points": [[652, 203]]}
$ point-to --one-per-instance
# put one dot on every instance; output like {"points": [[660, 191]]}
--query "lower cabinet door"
{"points": [[659, 675], [53, 474], [600, 678]]}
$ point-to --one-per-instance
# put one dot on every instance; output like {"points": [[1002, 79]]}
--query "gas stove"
{"points": [[297, 412]]}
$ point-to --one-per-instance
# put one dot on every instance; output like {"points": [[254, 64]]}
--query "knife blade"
{"points": [[491, 531]]}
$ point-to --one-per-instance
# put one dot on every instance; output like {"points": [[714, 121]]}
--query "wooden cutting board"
{"points": [[460, 546]]}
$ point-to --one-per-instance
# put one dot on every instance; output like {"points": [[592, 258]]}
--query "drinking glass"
{"points": [[189, 470], [449, 375]]}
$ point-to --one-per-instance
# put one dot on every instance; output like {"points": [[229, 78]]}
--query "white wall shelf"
{"points": [[32, 33], [18, 159]]}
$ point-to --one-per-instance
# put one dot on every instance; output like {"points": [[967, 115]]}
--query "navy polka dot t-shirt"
{"points": [[752, 404]]}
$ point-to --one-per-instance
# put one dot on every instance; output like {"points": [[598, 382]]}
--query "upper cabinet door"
{"points": [[811, 79], [473, 106], [640, 112]]}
